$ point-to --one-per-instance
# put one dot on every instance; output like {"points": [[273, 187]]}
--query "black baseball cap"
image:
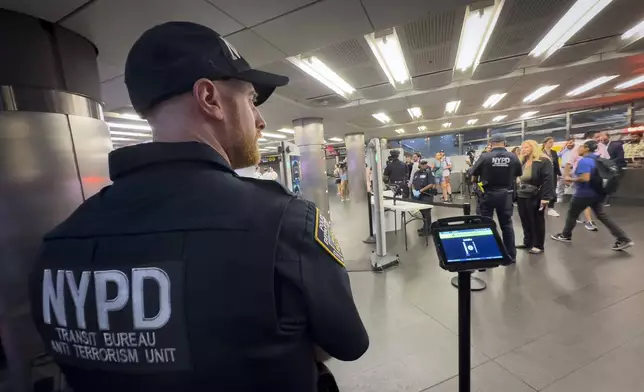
{"points": [[169, 58]]}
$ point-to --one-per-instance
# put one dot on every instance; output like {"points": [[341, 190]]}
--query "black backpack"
{"points": [[605, 177]]}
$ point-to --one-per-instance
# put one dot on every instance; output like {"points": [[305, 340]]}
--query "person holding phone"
{"points": [[535, 190]]}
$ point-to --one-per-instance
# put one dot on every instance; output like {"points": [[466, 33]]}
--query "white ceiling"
{"points": [[267, 31]]}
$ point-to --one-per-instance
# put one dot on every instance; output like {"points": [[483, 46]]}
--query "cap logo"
{"points": [[234, 54]]}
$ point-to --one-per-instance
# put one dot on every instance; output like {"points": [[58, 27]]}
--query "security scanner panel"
{"points": [[468, 243]]}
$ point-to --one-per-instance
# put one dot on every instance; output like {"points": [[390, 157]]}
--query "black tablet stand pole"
{"points": [[464, 324], [464, 330]]}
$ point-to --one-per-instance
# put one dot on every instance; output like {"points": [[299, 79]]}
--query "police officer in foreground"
{"points": [[395, 173], [175, 278], [423, 188], [496, 171]]}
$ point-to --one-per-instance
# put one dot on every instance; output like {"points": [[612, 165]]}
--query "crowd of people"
{"points": [[542, 178]]}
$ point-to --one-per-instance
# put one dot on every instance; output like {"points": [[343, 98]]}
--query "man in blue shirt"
{"points": [[587, 196]]}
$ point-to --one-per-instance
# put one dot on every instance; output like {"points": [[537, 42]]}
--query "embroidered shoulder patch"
{"points": [[324, 236]]}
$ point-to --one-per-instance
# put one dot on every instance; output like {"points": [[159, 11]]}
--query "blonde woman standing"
{"points": [[534, 192]]}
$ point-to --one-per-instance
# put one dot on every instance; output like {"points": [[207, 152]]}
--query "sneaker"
{"points": [[536, 251], [552, 212], [561, 238], [622, 244], [342, 200], [581, 221], [590, 226], [606, 204]]}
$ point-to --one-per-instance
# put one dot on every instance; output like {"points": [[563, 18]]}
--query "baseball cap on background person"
{"points": [[169, 58], [497, 139]]}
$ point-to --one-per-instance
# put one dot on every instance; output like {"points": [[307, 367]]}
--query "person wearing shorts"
{"points": [[446, 163], [437, 170]]}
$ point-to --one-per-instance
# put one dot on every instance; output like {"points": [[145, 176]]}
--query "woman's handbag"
{"points": [[527, 191]]}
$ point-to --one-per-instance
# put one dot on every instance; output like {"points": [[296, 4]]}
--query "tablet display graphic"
{"points": [[470, 245]]}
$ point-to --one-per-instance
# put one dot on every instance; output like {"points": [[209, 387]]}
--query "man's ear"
{"points": [[208, 98]]}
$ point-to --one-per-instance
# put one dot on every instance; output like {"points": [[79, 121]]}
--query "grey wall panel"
{"points": [[92, 143]]}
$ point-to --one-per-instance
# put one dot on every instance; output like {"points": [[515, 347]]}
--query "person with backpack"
{"points": [[595, 178]]}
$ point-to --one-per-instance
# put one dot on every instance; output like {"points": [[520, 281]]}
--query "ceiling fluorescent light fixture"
{"points": [[136, 134], [317, 69], [124, 139], [493, 100], [529, 114], [399, 131], [582, 12], [472, 121], [591, 85], [634, 33], [477, 29], [129, 126], [286, 130], [447, 124], [540, 92], [387, 50], [336, 139], [452, 106], [415, 113], [382, 117], [422, 128], [261, 139], [273, 135], [630, 83], [499, 118]]}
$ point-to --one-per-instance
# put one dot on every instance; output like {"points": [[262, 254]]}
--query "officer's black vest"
{"points": [[497, 170], [422, 178], [168, 256]]}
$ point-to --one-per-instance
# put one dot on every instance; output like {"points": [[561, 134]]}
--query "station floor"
{"points": [[570, 320]]}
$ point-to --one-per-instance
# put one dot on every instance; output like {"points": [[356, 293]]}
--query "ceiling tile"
{"points": [[51, 10], [115, 94], [497, 68], [253, 12], [107, 72], [385, 14], [378, 92], [521, 25], [430, 43], [431, 81], [615, 19], [114, 25], [321, 24], [577, 52], [254, 48]]}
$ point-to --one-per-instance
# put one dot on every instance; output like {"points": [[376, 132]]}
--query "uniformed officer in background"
{"points": [[423, 189], [496, 171], [395, 173], [151, 285]]}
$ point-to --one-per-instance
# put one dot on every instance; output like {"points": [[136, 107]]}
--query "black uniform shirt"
{"points": [[422, 178], [497, 169], [396, 172], [182, 276]]}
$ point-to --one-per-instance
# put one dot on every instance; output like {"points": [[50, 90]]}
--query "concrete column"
{"points": [[356, 164], [309, 137], [54, 147]]}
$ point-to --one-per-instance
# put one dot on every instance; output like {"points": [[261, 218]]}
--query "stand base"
{"points": [[380, 263], [476, 283], [370, 240]]}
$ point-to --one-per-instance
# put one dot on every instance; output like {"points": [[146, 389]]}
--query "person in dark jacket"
{"points": [[534, 192], [554, 158]]}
